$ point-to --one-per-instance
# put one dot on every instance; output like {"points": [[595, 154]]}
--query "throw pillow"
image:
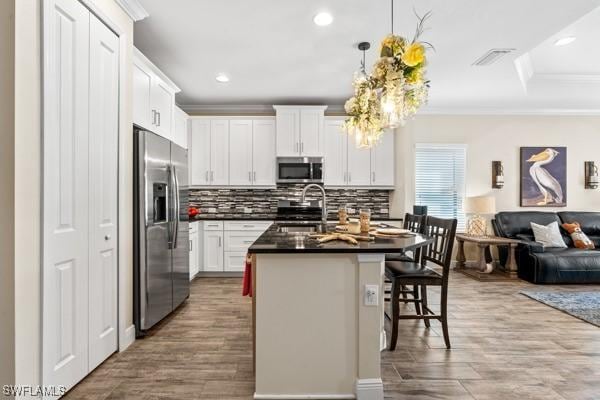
{"points": [[580, 239], [549, 235]]}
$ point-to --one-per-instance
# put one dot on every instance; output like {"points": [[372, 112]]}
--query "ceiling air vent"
{"points": [[492, 56]]}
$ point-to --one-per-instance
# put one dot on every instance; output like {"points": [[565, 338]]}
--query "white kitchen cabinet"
{"points": [[311, 131], [382, 161], [263, 153], [153, 97], [209, 149], [288, 131], [194, 249], [199, 152], [235, 261], [299, 130], [359, 165], [212, 249], [240, 153], [180, 127], [336, 154], [219, 152], [225, 243], [142, 89]]}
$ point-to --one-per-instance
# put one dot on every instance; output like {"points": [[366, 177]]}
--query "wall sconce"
{"points": [[591, 175], [497, 175]]}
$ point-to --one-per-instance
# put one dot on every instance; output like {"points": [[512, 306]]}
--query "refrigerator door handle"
{"points": [[175, 207]]}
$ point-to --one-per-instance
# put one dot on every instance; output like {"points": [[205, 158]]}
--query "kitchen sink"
{"points": [[299, 228]]}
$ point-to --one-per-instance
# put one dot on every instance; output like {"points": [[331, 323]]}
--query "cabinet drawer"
{"points": [[260, 226], [235, 261], [240, 240], [213, 225]]}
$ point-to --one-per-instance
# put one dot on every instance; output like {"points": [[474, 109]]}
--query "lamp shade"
{"points": [[481, 205]]}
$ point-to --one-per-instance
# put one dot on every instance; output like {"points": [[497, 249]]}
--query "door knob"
{"points": [[107, 237]]}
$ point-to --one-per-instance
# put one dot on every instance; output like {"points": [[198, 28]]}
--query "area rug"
{"points": [[582, 305]]}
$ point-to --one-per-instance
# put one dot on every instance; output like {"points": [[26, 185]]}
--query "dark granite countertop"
{"points": [[266, 217], [274, 241]]}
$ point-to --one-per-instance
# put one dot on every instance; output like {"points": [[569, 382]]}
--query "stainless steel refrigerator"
{"points": [[161, 239]]}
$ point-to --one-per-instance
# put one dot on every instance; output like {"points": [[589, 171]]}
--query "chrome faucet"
{"points": [[324, 208]]}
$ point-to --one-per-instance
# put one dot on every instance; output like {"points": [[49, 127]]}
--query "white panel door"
{"points": [[263, 153], [382, 161], [162, 102], [103, 153], [65, 193], [200, 152], [288, 132], [219, 152], [311, 132], [336, 153], [213, 251], [240, 152], [359, 165], [142, 108]]}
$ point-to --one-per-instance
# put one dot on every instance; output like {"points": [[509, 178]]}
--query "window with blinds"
{"points": [[440, 180]]}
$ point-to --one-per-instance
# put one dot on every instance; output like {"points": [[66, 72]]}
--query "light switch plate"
{"points": [[371, 295], [247, 210], [212, 210]]}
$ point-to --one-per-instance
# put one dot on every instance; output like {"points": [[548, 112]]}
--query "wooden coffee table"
{"points": [[485, 270]]}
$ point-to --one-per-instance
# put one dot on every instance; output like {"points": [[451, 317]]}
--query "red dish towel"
{"points": [[247, 279]]}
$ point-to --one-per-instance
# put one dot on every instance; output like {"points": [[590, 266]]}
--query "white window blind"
{"points": [[440, 180]]}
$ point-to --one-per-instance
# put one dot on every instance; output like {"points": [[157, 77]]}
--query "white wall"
{"points": [[7, 300], [492, 138], [27, 150]]}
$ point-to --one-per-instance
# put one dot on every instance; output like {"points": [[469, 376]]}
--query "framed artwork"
{"points": [[543, 176]]}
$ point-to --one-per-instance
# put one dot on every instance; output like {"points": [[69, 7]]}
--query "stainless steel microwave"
{"points": [[299, 170]]}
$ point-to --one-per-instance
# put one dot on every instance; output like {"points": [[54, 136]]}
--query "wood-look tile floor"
{"points": [[505, 346]]}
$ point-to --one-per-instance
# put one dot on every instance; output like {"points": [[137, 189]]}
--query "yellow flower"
{"points": [[414, 54], [415, 76]]}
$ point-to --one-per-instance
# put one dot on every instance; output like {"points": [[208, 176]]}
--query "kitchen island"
{"points": [[318, 313]]}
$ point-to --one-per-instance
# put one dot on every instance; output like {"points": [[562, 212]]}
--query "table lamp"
{"points": [[478, 206]]}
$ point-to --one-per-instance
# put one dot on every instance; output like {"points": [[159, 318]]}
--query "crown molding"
{"points": [[245, 109], [134, 9], [510, 111]]}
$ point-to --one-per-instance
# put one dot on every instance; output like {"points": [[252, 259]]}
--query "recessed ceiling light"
{"points": [[222, 78], [323, 19], [565, 41]]}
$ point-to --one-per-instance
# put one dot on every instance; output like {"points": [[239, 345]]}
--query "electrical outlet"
{"points": [[247, 210], [212, 210], [371, 295]]}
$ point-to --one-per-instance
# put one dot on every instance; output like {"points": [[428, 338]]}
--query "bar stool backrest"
{"points": [[414, 223], [443, 231]]}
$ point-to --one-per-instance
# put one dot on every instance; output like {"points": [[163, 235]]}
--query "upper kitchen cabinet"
{"points": [[382, 161], [153, 97], [209, 152], [300, 130], [252, 152], [180, 127], [263, 152], [346, 165]]}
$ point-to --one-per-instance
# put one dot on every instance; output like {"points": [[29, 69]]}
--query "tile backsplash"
{"points": [[264, 201]]}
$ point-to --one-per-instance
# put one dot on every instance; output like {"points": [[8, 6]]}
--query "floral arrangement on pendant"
{"points": [[394, 91]]}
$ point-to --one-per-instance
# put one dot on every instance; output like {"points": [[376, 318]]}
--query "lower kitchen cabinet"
{"points": [[194, 250], [213, 251], [225, 243]]}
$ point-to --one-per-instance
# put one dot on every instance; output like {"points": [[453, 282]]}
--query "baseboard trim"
{"points": [[258, 396], [128, 338], [369, 389]]}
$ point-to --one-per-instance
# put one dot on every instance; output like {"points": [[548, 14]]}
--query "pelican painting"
{"points": [[543, 176]]}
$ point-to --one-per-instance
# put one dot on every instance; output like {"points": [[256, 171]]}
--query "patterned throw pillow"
{"points": [[580, 239], [548, 235]]}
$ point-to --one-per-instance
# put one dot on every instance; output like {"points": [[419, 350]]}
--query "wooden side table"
{"points": [[484, 270]]}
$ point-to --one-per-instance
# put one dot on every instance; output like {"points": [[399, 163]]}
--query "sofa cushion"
{"points": [[589, 221], [511, 224]]}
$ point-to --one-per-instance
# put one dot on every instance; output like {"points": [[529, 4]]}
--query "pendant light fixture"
{"points": [[361, 74]]}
